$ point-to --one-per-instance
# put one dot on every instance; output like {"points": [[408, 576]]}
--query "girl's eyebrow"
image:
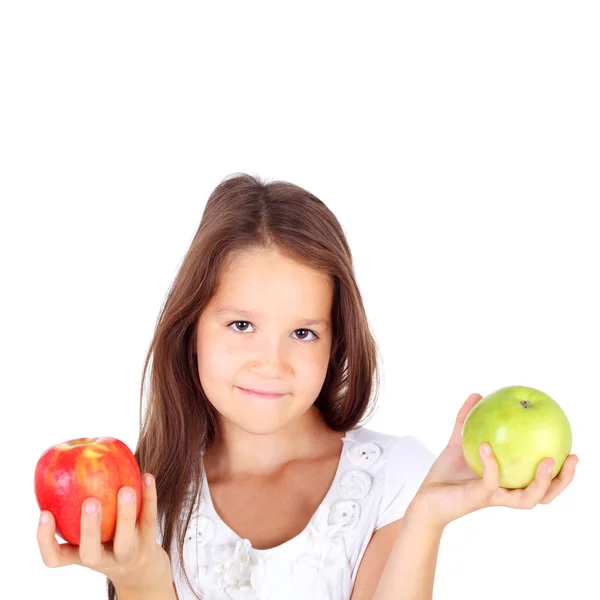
{"points": [[251, 315]]}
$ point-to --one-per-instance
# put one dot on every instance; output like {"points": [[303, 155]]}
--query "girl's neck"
{"points": [[238, 452]]}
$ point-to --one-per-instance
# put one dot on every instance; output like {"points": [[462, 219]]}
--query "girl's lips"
{"points": [[258, 395]]}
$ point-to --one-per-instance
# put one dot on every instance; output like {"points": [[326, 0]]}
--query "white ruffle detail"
{"points": [[301, 569], [345, 514], [364, 455], [229, 578], [354, 484]]}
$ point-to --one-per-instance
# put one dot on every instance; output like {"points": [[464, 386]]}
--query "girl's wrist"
{"points": [[156, 584], [418, 514], [162, 591]]}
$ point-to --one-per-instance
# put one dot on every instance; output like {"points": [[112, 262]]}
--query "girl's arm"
{"points": [[449, 491], [166, 593], [410, 569]]}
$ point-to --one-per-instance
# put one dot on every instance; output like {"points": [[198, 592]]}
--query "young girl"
{"points": [[265, 483]]}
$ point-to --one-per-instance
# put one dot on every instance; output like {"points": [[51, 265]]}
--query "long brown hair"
{"points": [[244, 212]]}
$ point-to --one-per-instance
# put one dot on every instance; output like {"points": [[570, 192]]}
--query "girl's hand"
{"points": [[451, 489], [133, 561]]}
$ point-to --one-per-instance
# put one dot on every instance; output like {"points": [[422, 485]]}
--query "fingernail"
{"points": [[148, 480], [127, 495], [550, 468], [485, 449], [90, 508], [44, 518]]}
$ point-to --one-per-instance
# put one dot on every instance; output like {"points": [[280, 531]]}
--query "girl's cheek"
{"points": [[222, 357]]}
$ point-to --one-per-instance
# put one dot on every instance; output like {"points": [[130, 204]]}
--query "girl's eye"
{"points": [[301, 338]]}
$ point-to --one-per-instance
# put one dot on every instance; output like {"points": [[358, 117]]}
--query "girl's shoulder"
{"points": [[395, 465], [371, 445]]}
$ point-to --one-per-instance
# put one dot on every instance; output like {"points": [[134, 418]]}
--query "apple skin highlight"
{"points": [[68, 473], [523, 425]]}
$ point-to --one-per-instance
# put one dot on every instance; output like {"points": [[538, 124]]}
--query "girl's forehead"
{"points": [[265, 274]]}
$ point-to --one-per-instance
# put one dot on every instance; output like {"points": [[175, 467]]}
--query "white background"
{"points": [[458, 145]]}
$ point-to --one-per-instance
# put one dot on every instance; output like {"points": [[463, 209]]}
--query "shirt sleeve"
{"points": [[408, 463]]}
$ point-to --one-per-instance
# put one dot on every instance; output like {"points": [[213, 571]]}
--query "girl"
{"points": [[261, 482]]}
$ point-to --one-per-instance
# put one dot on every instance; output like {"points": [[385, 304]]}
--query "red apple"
{"points": [[68, 473]]}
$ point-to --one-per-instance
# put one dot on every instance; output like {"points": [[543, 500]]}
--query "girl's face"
{"points": [[270, 348]]}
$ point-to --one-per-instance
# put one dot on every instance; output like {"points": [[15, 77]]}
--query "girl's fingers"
{"points": [[562, 480], [490, 479], [147, 520], [529, 497], [91, 551], [471, 401], [536, 490], [125, 543], [54, 554]]}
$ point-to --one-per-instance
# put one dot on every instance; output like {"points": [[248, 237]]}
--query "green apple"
{"points": [[523, 426]]}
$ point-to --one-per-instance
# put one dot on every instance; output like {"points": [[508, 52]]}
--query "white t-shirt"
{"points": [[377, 477]]}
